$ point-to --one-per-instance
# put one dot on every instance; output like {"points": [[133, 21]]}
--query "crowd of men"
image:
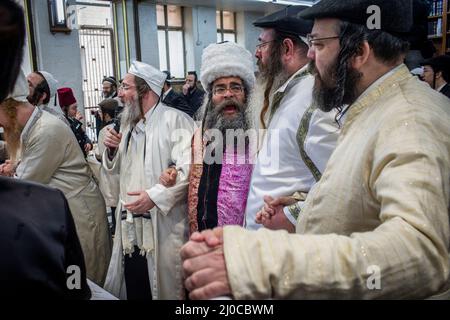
{"points": [[330, 163]]}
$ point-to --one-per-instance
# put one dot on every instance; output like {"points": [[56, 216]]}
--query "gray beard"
{"points": [[279, 80], [216, 120], [256, 100], [131, 113]]}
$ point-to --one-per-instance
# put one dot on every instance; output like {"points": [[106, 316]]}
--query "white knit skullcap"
{"points": [[152, 76], [226, 60], [51, 81], [21, 89]]}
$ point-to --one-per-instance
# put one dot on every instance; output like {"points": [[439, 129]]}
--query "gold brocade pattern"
{"points": [[301, 137], [380, 209]]}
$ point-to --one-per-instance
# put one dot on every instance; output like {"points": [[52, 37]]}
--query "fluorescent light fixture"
{"points": [[294, 2]]}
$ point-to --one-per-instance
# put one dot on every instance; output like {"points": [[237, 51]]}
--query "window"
{"points": [[226, 26], [57, 15], [171, 39]]}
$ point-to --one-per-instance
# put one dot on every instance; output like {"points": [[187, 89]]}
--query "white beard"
{"points": [[131, 114]]}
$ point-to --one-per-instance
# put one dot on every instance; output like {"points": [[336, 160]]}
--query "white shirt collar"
{"points": [[440, 88], [166, 93], [284, 86]]}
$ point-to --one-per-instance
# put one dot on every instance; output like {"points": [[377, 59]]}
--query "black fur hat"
{"points": [[396, 16], [286, 21]]}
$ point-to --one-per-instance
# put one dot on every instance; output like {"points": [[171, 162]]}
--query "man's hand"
{"points": [[185, 89], [266, 211], [7, 169], [168, 177], [87, 147], [212, 237], [112, 138], [142, 204], [272, 216], [78, 116], [204, 265]]}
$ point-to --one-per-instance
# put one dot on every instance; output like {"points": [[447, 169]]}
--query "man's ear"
{"points": [[438, 74], [288, 48], [360, 58]]}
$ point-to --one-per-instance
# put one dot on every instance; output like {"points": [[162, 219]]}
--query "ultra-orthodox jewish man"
{"points": [[151, 219], [376, 225]]}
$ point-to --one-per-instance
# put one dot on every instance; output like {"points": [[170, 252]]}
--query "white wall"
{"points": [[94, 16], [57, 53], [122, 67], [199, 31], [248, 34], [204, 32], [148, 33]]}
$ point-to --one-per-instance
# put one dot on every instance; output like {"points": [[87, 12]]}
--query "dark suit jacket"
{"points": [[446, 90], [177, 101], [38, 242], [195, 99], [80, 134]]}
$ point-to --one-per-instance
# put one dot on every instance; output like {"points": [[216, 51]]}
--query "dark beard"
{"points": [[272, 76], [34, 98], [111, 94], [274, 66], [216, 120], [336, 87]]}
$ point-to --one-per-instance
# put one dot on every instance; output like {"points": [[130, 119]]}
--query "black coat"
{"points": [[195, 99], [80, 134], [177, 101], [38, 242], [446, 90]]}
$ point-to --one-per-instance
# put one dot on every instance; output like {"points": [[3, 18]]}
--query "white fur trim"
{"points": [[226, 60]]}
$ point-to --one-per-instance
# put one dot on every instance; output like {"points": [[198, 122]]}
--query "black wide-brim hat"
{"points": [[440, 63], [286, 21], [110, 79], [396, 15], [418, 37]]}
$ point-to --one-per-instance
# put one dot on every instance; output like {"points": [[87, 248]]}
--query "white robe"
{"points": [[164, 146], [55, 111], [50, 155], [108, 183], [279, 169]]}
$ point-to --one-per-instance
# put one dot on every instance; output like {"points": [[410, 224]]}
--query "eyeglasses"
{"points": [[263, 44], [234, 89], [125, 87], [311, 40]]}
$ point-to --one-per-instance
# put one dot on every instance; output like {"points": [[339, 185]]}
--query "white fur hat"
{"points": [[154, 78], [226, 59], [51, 81]]}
